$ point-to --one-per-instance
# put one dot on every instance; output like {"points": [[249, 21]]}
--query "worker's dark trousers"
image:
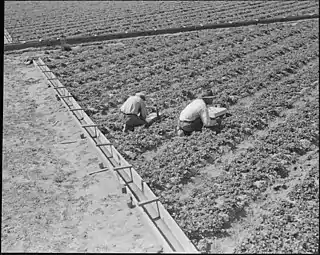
{"points": [[132, 120], [189, 127]]}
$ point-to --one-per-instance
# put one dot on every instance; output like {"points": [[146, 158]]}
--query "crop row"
{"points": [[267, 66], [174, 66], [212, 205], [35, 20], [272, 75], [224, 10], [183, 158], [289, 224], [155, 55]]}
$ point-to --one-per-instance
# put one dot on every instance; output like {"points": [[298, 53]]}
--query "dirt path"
{"points": [[49, 203]]}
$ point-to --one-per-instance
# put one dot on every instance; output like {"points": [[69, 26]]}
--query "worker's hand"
{"points": [[219, 121], [213, 122]]}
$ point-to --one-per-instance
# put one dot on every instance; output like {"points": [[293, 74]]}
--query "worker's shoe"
{"points": [[124, 128], [180, 133]]}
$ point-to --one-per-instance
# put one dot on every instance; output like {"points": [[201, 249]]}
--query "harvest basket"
{"points": [[215, 112]]}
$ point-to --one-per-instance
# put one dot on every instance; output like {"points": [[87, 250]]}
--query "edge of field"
{"points": [[49, 202]]}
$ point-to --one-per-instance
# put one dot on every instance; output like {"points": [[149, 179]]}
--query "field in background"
{"points": [[32, 20], [262, 162]]}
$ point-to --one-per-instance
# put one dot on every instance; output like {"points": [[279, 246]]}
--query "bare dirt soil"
{"points": [[49, 202]]}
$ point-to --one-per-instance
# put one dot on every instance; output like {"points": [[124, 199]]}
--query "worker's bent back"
{"points": [[134, 105], [196, 109], [135, 113]]}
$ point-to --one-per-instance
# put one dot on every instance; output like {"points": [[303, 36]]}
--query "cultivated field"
{"points": [[251, 186], [30, 20]]}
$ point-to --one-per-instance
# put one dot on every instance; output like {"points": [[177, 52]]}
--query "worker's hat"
{"points": [[141, 94], [207, 94]]}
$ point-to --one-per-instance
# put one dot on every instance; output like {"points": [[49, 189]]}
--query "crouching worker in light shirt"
{"points": [[134, 112], [196, 115]]}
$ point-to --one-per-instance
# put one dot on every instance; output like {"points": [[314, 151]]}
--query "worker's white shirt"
{"points": [[134, 105], [197, 108]]}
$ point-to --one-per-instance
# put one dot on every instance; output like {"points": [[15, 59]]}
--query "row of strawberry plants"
{"points": [[164, 47], [222, 75], [172, 16], [170, 92], [186, 163], [223, 16], [288, 228], [291, 225], [185, 157], [152, 73], [171, 9], [142, 25], [117, 16], [171, 119], [115, 119], [218, 200], [299, 8], [144, 15], [244, 123], [188, 159]]}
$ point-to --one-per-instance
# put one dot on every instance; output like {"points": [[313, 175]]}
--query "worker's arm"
{"points": [[143, 110], [204, 115]]}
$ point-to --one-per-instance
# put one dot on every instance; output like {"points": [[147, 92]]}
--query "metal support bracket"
{"points": [[77, 109], [99, 171], [89, 125], [95, 131], [66, 96], [148, 201], [156, 200], [103, 144], [124, 167], [121, 167]]}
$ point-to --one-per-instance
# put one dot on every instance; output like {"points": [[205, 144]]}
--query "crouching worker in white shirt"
{"points": [[196, 115], [134, 112]]}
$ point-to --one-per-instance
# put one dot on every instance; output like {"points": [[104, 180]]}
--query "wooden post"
{"points": [[130, 202], [123, 189]]}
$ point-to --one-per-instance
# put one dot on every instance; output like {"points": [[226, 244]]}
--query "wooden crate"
{"points": [[215, 112]]}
